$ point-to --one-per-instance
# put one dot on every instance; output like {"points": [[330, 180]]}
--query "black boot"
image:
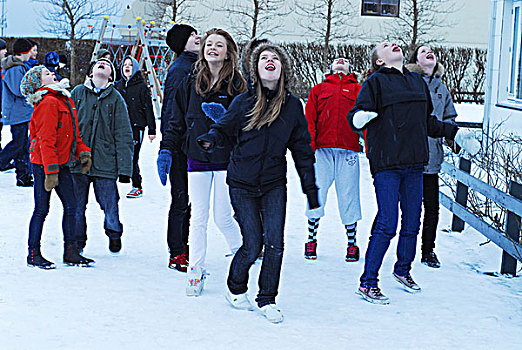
{"points": [[35, 259], [25, 181], [73, 258], [115, 245]]}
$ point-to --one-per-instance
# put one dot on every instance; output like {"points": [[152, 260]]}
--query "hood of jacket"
{"points": [[287, 71], [135, 68], [335, 77], [11, 61], [438, 71], [58, 88], [92, 88]]}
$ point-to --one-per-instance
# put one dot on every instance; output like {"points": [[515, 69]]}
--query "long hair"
{"points": [[264, 113], [228, 74]]}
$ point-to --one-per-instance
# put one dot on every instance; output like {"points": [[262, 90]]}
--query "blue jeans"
{"points": [[393, 188], [259, 213], [17, 149], [65, 192], [107, 196]]}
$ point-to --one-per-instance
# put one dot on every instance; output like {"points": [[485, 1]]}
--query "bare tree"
{"points": [[67, 18], [167, 11], [420, 22], [327, 21], [255, 18]]}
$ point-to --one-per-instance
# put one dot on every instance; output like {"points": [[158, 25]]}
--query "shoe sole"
{"points": [[351, 260], [310, 257], [405, 287], [178, 268], [79, 265], [430, 265], [372, 301], [50, 267], [134, 196], [193, 292]]}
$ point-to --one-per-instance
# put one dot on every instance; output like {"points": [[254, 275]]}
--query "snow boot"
{"points": [[73, 258], [115, 245], [35, 259]]}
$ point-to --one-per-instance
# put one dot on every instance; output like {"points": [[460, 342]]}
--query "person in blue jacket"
{"points": [[185, 42], [51, 62], [394, 107], [3, 52], [16, 112]]}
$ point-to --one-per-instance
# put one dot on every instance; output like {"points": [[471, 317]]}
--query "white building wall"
{"points": [[498, 111]]}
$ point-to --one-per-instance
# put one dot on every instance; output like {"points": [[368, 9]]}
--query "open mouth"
{"points": [[340, 61], [430, 56], [396, 49], [270, 67], [212, 53]]}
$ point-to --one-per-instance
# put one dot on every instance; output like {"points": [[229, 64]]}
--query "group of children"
{"points": [[230, 132]]}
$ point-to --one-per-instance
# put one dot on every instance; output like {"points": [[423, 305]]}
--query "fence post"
{"points": [[509, 263], [462, 195]]}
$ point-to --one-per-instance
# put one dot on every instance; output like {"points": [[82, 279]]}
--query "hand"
{"points": [[313, 200], [85, 161], [213, 110], [164, 162], [361, 118], [466, 139], [152, 138], [51, 181], [124, 179]]}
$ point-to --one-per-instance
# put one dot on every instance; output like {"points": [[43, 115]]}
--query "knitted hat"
{"points": [[31, 81], [22, 46], [101, 53], [177, 37], [51, 59], [3, 45], [93, 63]]}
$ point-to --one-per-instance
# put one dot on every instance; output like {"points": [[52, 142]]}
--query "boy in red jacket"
{"points": [[55, 145], [336, 149]]}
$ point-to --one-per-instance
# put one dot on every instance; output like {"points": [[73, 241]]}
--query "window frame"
{"points": [[379, 5]]}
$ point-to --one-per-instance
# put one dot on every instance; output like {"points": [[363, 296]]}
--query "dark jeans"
{"points": [[179, 213], [430, 199], [107, 196], [65, 192], [137, 139], [393, 188], [259, 213], [17, 149]]}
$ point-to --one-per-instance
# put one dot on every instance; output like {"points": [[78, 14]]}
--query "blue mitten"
{"points": [[164, 162], [213, 110]]}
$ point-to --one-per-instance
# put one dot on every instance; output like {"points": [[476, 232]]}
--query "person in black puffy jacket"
{"points": [[262, 124], [133, 89]]}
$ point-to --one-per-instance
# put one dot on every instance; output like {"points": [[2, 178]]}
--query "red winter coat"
{"points": [[328, 104], [55, 139]]}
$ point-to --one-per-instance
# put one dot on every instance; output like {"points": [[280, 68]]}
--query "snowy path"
{"points": [[133, 301]]}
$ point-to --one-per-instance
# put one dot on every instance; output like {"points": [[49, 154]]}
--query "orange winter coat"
{"points": [[328, 104], [55, 139]]}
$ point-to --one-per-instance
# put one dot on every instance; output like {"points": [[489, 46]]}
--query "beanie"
{"points": [[3, 45], [31, 81], [51, 59], [113, 71], [22, 46], [101, 53], [177, 37]]}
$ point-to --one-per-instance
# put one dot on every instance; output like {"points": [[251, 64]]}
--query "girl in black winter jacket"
{"points": [[133, 89], [262, 124]]}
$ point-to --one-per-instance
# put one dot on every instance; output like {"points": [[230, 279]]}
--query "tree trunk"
{"points": [[415, 28], [327, 35], [255, 19]]}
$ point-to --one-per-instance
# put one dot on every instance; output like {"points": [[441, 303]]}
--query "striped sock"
{"points": [[313, 225], [351, 231]]}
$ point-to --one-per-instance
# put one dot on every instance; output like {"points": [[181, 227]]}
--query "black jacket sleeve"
{"points": [[148, 110], [176, 125], [302, 153]]}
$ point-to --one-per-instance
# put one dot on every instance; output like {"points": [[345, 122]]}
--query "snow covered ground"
{"points": [[133, 301]]}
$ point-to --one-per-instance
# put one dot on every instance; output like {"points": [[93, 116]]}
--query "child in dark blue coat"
{"points": [[395, 109]]}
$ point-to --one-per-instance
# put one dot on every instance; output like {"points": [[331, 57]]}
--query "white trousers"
{"points": [[341, 166], [199, 189]]}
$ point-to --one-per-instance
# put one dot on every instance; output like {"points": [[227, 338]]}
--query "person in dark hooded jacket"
{"points": [[51, 62], [262, 124], [133, 89]]}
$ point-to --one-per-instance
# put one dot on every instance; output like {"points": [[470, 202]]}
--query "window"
{"points": [[515, 78], [386, 8]]}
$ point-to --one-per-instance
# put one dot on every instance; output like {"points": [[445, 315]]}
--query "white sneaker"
{"points": [[239, 301], [195, 281], [272, 313]]}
